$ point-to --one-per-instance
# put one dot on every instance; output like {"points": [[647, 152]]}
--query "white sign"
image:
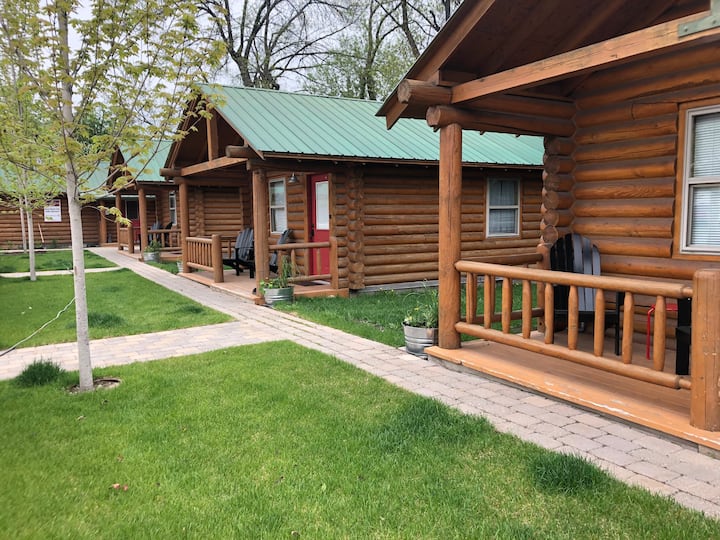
{"points": [[53, 211]]}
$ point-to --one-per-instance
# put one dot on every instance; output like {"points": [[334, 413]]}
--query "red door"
{"points": [[319, 212]]}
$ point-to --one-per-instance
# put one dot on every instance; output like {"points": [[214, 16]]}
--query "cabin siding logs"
{"points": [[52, 232], [401, 223], [625, 165]]}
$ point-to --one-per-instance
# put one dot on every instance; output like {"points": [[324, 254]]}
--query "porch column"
{"points": [[449, 244], [103, 228], [705, 351], [118, 205], [184, 219], [142, 208], [261, 209]]}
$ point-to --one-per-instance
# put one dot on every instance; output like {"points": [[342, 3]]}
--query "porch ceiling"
{"points": [[538, 50]]}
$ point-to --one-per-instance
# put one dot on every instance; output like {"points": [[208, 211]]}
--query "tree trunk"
{"points": [[74, 207], [31, 243]]}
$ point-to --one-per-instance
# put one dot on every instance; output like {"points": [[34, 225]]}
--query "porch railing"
{"points": [[126, 239], [479, 325], [312, 247], [202, 253]]}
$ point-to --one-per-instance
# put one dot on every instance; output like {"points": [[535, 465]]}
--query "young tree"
{"points": [[131, 62], [268, 40]]}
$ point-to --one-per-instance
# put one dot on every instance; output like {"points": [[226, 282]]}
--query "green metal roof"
{"points": [[148, 163], [276, 123]]}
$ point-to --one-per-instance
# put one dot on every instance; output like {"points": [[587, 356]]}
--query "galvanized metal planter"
{"points": [[284, 294], [417, 338]]}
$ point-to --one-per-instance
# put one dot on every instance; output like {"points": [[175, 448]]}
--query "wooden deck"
{"points": [[243, 287], [655, 407]]}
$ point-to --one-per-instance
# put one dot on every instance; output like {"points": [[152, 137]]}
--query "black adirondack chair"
{"points": [[575, 253], [275, 256], [243, 255]]}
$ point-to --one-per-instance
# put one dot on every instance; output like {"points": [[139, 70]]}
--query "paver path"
{"points": [[629, 453]]}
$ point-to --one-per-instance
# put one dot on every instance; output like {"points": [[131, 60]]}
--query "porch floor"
{"points": [[242, 286], [662, 409]]}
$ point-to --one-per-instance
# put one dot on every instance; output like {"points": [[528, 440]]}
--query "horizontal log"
{"points": [[527, 105], [654, 188], [443, 115], [558, 182], [555, 200], [400, 278], [624, 170], [648, 147], [373, 209], [629, 89], [400, 269], [556, 218], [651, 207], [641, 247], [559, 146], [626, 226], [430, 255], [623, 112], [423, 93], [653, 267], [634, 129], [558, 164]]}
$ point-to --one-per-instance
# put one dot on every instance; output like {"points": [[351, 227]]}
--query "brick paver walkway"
{"points": [[634, 455]]}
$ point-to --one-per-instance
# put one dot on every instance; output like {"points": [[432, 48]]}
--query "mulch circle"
{"points": [[99, 383]]}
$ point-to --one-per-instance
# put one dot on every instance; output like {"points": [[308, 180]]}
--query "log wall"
{"points": [[55, 234], [400, 215], [624, 160], [220, 210]]}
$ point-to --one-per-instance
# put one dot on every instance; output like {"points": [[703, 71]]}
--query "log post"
{"points": [[217, 263], [184, 222], [449, 245], [142, 209], [261, 210], [705, 351]]}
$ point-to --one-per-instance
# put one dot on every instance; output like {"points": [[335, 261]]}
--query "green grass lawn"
{"points": [[120, 303], [278, 441], [378, 316], [48, 260]]}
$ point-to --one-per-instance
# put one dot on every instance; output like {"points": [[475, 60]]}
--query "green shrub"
{"points": [[39, 373]]}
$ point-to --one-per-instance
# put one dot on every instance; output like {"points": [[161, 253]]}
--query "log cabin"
{"points": [[361, 202], [51, 224], [146, 198], [627, 97]]}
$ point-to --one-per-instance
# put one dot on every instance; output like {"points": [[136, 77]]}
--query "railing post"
{"points": [[705, 351], [216, 255], [184, 255], [334, 277]]}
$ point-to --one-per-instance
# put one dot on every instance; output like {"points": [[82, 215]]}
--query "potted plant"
{"points": [[279, 288], [152, 251], [421, 322]]}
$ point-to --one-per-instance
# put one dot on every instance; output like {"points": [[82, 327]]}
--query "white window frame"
{"points": [[490, 207], [172, 206], [690, 182], [275, 208]]}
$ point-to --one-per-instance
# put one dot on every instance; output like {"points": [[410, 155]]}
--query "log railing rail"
{"points": [[293, 249], [161, 235], [204, 254], [480, 325]]}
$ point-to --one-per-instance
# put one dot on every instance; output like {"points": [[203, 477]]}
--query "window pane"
{"points": [[277, 193], [503, 193], [502, 221], [322, 206], [705, 215], [706, 145], [278, 220]]}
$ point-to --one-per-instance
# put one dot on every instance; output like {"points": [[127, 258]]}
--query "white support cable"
{"points": [[59, 313]]}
